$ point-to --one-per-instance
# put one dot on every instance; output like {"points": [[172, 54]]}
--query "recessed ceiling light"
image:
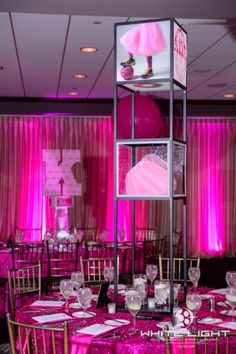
{"points": [[80, 76], [229, 95], [219, 84], [73, 93], [88, 49], [202, 71]]}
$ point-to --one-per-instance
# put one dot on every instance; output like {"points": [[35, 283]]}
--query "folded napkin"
{"points": [[218, 291], [81, 341], [230, 325], [52, 318], [47, 303]]}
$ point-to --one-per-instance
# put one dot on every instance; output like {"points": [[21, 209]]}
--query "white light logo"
{"points": [[184, 317]]}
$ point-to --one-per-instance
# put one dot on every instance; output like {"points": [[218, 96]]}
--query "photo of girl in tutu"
{"points": [[145, 39], [149, 177]]}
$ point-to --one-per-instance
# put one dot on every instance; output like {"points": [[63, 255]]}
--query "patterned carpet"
{"points": [[5, 348]]}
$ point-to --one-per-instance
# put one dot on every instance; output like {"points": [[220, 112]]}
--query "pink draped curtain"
{"points": [[22, 140], [211, 176], [211, 188]]}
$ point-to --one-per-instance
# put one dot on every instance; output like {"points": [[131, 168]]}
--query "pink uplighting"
{"points": [[210, 180], [210, 144]]}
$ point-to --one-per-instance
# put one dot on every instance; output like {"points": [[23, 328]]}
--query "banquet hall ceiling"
{"points": [[40, 45]]}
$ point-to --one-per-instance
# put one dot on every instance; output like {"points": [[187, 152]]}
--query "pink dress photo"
{"points": [[149, 177], [144, 39]]}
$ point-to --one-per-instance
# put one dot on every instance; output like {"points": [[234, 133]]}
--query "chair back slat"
{"points": [[35, 339], [93, 268], [62, 261], [146, 234]]}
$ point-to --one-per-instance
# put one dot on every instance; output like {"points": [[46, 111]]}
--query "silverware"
{"points": [[115, 320], [39, 311], [114, 334]]}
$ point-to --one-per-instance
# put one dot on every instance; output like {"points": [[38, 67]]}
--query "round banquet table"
{"points": [[124, 342]]}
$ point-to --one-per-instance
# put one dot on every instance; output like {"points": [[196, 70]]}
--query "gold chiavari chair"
{"points": [[178, 267], [23, 281], [95, 249], [93, 268], [148, 234], [152, 249], [33, 339], [26, 254], [62, 261]]}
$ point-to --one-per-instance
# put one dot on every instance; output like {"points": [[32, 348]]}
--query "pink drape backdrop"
{"points": [[211, 172], [22, 140], [211, 188]]}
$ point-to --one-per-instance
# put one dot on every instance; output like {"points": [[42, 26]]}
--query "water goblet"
{"points": [[194, 303], [194, 275], [151, 271], [84, 298], [133, 302], [79, 235], [103, 235], [230, 296], [77, 279], [230, 278], [66, 288], [108, 273]]}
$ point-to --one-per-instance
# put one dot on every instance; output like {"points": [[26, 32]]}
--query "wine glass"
{"points": [[230, 296], [133, 302], [84, 298], [103, 235], [194, 303], [151, 271], [77, 279], [66, 288], [194, 275], [108, 273], [79, 235], [230, 278]]}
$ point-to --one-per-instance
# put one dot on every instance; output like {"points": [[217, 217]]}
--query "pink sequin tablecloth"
{"points": [[124, 342]]}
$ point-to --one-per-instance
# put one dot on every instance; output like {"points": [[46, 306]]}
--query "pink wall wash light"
{"points": [[210, 190]]}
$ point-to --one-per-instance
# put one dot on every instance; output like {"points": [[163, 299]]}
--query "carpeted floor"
{"points": [[5, 348]]}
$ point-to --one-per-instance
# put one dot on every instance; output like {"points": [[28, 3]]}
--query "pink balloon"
{"points": [[148, 121], [127, 72]]}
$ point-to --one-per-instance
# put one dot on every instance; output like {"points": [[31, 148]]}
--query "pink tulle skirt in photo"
{"points": [[144, 39], [148, 177]]}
